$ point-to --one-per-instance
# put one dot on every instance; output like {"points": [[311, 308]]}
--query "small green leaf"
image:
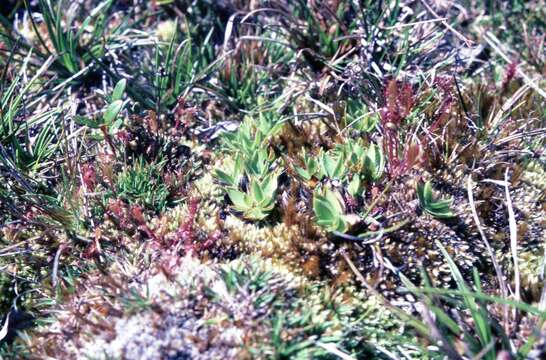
{"points": [[238, 198], [323, 211], [338, 171], [81, 120], [437, 208], [354, 186], [119, 89], [237, 168], [116, 125], [269, 185], [334, 200], [427, 193], [256, 191], [374, 163], [328, 164], [441, 214], [421, 194], [304, 174], [225, 177], [440, 204], [112, 112], [341, 225], [329, 211], [312, 166]]}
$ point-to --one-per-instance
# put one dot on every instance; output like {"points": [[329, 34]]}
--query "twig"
{"points": [[13, 246], [331, 348], [364, 238], [56, 264]]}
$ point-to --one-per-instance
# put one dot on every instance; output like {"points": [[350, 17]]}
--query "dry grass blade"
{"points": [[513, 237], [229, 30], [331, 348], [5, 327], [467, 41], [509, 105], [56, 262], [498, 270]]}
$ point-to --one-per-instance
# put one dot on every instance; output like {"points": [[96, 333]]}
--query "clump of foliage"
{"points": [[143, 184], [473, 321], [258, 201], [436, 207], [329, 210]]}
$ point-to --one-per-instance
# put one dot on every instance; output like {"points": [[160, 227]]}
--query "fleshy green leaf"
{"points": [[328, 210], [323, 211], [112, 112], [427, 192], [439, 208], [374, 163], [119, 89], [255, 214], [334, 200], [238, 198], [329, 165], [224, 177], [354, 186], [269, 185], [304, 174], [256, 191]]}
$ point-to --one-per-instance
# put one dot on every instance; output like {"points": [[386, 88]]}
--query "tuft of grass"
{"points": [[142, 184], [466, 322]]}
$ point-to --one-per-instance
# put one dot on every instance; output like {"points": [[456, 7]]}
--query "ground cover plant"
{"points": [[272, 179]]}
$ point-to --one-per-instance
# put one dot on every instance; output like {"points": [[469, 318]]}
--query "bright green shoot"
{"points": [[329, 210], [66, 37], [439, 208], [258, 201]]}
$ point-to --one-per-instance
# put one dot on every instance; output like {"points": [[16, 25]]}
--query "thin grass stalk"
{"points": [[513, 239], [498, 271]]}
